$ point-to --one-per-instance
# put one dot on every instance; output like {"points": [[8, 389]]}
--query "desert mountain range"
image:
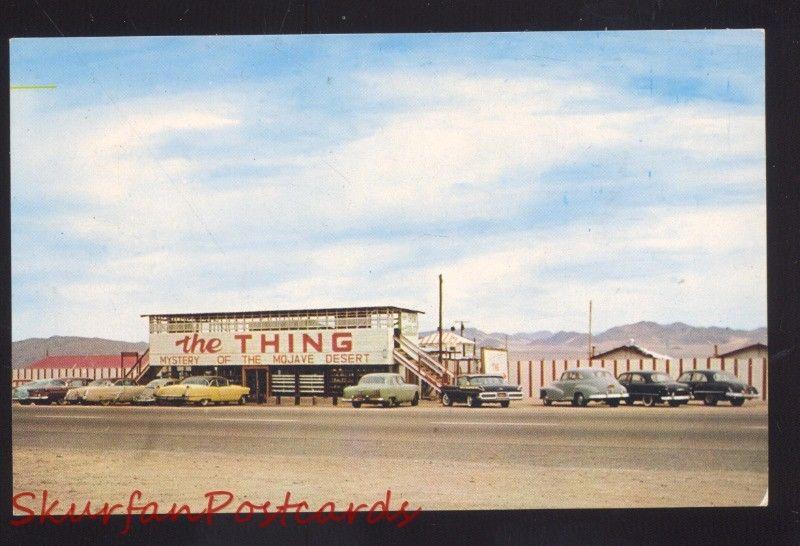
{"points": [[676, 339]]}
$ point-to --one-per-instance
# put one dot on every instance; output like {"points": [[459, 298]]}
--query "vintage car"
{"points": [[477, 389], [202, 390], [584, 385], [653, 388], [711, 386], [47, 391], [386, 389], [119, 391], [148, 395], [75, 394]]}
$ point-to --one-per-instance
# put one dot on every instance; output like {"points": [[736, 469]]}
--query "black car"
{"points": [[711, 386], [653, 388], [477, 389]]}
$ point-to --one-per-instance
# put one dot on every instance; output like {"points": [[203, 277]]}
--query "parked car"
{"points": [[477, 389], [654, 388], [75, 394], [148, 395], [20, 394], [711, 386], [386, 389], [121, 390], [202, 390], [582, 386], [47, 391]]}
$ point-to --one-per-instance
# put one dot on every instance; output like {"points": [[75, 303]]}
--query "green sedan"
{"points": [[386, 389]]}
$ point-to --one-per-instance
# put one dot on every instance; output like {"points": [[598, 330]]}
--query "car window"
{"points": [[724, 376], [623, 377], [371, 380], [699, 377], [685, 377], [637, 378]]}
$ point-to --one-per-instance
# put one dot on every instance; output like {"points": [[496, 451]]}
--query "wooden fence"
{"points": [[531, 375], [23, 375]]}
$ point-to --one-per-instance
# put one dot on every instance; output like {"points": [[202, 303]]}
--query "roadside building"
{"points": [[631, 351], [756, 351], [291, 353], [94, 366]]}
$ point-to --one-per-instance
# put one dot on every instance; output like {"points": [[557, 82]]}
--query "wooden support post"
{"points": [[641, 364], [750, 372], [680, 367], [708, 363], [519, 379], [554, 370], [668, 366], [736, 367], [694, 363], [763, 379], [627, 364], [722, 363], [615, 367], [541, 373], [530, 379], [335, 400]]}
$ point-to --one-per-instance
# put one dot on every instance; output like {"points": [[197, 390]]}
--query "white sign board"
{"points": [[300, 347], [494, 361]]}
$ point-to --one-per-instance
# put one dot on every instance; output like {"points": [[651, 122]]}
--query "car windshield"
{"points": [[660, 378], [99, 383], [37, 383], [371, 380], [157, 382], [195, 381], [724, 376], [486, 380]]}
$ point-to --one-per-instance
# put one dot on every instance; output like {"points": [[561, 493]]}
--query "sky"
{"points": [[535, 171]]}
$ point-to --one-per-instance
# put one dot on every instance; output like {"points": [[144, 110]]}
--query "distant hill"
{"points": [[677, 339], [30, 350]]}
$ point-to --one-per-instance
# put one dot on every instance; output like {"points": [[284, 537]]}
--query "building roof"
{"points": [[79, 361], [751, 347], [448, 339], [281, 313], [646, 353]]}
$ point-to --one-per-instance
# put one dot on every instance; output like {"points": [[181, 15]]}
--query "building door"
{"points": [[256, 379]]}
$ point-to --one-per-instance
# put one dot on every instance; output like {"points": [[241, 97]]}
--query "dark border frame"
{"points": [[777, 523]]}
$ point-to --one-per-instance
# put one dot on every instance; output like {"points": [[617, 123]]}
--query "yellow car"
{"points": [[202, 390]]}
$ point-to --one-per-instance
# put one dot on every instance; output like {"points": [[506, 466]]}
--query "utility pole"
{"points": [[440, 318], [590, 331]]}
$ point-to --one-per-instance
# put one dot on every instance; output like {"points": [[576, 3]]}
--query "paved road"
{"points": [[526, 456]]}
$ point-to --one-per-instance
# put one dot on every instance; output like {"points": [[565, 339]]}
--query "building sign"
{"points": [[494, 361], [253, 348]]}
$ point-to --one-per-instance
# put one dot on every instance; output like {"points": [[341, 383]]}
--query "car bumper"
{"points": [[35, 397], [745, 395], [500, 397], [608, 396], [674, 397], [364, 399]]}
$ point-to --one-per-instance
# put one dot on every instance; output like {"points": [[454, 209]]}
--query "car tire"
{"points": [[674, 403], [393, 402], [446, 400], [710, 400], [547, 402], [105, 402], [415, 400], [613, 403], [472, 402], [737, 402], [386, 403], [629, 401], [505, 404], [25, 402], [205, 402], [242, 399], [580, 400], [649, 400], [356, 405]]}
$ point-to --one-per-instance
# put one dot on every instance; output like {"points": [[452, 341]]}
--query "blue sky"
{"points": [[536, 171]]}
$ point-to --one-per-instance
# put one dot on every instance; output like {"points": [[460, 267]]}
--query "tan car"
{"points": [[120, 391], [203, 391], [75, 394]]}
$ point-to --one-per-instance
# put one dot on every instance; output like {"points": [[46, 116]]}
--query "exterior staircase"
{"points": [[140, 371], [409, 355]]}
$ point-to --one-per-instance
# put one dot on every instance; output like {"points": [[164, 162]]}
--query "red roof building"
{"points": [[83, 361]]}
